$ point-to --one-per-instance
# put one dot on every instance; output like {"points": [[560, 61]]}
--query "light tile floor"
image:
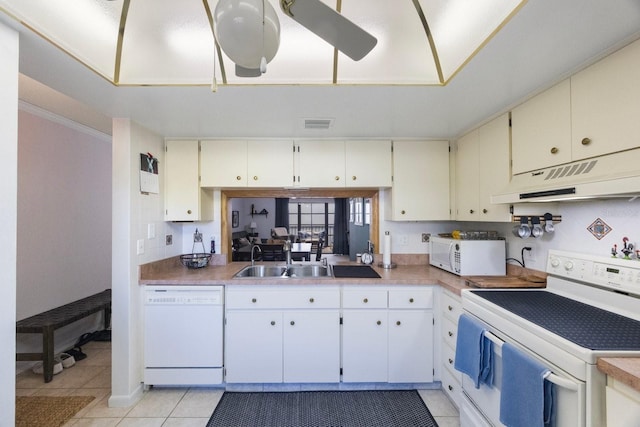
{"points": [[166, 407]]}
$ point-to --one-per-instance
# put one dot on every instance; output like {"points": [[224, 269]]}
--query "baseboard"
{"points": [[124, 401]]}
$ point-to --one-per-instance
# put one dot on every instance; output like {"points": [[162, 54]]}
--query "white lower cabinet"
{"points": [[451, 378], [387, 335], [278, 334], [623, 404]]}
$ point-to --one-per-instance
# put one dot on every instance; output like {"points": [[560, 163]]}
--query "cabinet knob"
{"points": [[586, 141], [554, 150], [238, 178], [402, 212], [311, 300], [255, 177], [398, 323], [378, 323], [450, 361], [273, 322], [484, 211], [450, 388], [411, 300], [189, 211], [366, 300], [353, 178], [337, 178], [292, 323], [254, 300], [471, 211], [449, 308], [450, 333]]}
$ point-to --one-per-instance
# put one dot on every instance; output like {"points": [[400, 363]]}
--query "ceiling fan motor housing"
{"points": [[247, 31]]}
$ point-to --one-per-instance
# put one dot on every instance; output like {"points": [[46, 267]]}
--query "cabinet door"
{"points": [[364, 346], [541, 130], [224, 163], [253, 346], [184, 201], [368, 164], [410, 346], [467, 183], [493, 168], [270, 163], [311, 346], [320, 164], [605, 105], [420, 180]]}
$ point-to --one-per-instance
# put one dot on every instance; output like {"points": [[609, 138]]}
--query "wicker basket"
{"points": [[195, 260]]}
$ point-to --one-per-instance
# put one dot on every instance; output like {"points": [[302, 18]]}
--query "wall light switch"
{"points": [[140, 246], [151, 231]]}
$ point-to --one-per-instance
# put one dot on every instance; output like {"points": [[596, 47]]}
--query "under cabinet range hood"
{"points": [[607, 176]]}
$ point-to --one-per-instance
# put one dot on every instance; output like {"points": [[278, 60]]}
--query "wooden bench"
{"points": [[46, 323]]}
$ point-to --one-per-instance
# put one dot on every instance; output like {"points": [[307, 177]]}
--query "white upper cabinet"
{"points": [[605, 105], [270, 163], [320, 163], [493, 168], [254, 163], [541, 130], [368, 164], [593, 113], [420, 181], [184, 199], [224, 163], [467, 183]]}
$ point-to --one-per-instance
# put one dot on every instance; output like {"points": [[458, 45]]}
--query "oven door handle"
{"points": [[550, 376]]}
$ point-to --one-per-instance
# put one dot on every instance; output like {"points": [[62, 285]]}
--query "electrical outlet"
{"points": [[168, 239], [403, 239], [140, 246], [530, 256], [426, 237]]}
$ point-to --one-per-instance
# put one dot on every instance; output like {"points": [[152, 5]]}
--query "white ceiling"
{"points": [[544, 42]]}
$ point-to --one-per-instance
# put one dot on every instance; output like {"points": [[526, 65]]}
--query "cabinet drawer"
{"points": [[451, 306], [364, 298], [283, 298], [452, 387], [449, 332], [411, 298], [448, 360]]}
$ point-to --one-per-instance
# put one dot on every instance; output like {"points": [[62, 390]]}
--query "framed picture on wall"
{"points": [[235, 219]]}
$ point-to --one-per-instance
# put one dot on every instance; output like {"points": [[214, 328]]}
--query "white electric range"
{"points": [[589, 309]]}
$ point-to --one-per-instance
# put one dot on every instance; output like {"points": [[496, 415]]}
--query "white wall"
{"points": [[132, 213], [9, 49]]}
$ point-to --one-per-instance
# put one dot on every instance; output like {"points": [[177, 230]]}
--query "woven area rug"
{"points": [[322, 409], [48, 411]]}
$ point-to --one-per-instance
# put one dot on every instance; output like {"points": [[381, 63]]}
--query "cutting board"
{"points": [[505, 282]]}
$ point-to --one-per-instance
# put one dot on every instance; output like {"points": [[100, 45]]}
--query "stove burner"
{"points": [[582, 324]]}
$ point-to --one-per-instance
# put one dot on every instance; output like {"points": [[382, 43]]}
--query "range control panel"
{"points": [[612, 273]]}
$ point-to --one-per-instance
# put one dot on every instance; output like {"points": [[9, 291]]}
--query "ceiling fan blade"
{"points": [[247, 72], [331, 26]]}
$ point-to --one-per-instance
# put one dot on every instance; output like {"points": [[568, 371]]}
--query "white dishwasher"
{"points": [[183, 329]]}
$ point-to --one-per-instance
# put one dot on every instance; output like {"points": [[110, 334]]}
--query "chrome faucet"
{"points": [[252, 248], [286, 247]]}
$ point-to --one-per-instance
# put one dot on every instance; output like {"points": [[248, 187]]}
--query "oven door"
{"points": [[569, 393]]}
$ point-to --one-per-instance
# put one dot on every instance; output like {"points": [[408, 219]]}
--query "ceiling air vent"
{"points": [[317, 123]]}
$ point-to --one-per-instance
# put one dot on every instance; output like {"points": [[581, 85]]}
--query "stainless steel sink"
{"points": [[283, 271]]}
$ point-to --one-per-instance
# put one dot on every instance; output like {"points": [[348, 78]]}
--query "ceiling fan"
{"points": [[248, 31]]}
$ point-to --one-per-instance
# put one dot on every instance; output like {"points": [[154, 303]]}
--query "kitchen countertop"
{"points": [[171, 272], [623, 369]]}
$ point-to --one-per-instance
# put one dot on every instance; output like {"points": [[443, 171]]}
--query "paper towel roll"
{"points": [[386, 249]]}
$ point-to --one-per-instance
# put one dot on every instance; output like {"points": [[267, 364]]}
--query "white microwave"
{"points": [[468, 257]]}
